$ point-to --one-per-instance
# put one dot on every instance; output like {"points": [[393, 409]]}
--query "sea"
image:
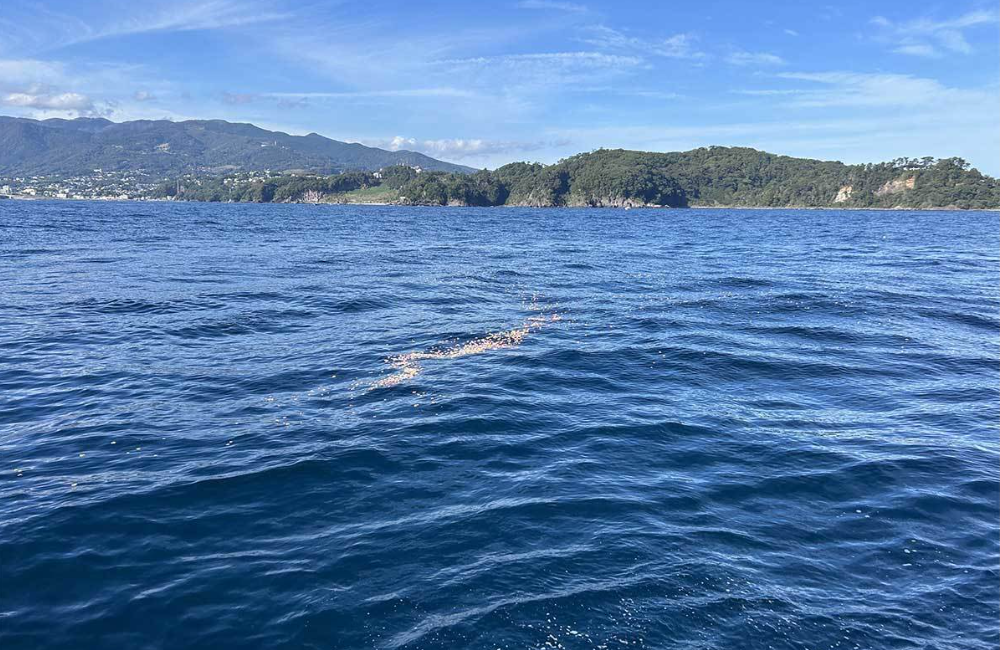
{"points": [[301, 426]]}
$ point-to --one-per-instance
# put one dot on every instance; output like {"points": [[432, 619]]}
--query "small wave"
{"points": [[353, 305], [744, 282], [984, 322], [268, 321], [126, 306]]}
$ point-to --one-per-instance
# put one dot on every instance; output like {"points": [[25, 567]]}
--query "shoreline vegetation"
{"points": [[556, 207], [727, 177]]}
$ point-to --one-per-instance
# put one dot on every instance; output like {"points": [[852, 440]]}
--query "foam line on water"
{"points": [[408, 366]]}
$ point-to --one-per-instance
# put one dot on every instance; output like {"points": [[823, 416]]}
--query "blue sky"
{"points": [[485, 83]]}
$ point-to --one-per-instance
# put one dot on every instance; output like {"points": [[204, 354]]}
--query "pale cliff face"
{"points": [[896, 186], [844, 194]]}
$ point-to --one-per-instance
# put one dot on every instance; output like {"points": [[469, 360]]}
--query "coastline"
{"points": [[546, 207]]}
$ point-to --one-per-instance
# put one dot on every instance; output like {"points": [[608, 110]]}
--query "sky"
{"points": [[486, 83]]}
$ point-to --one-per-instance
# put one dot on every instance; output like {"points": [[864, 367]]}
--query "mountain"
{"points": [[163, 148]]}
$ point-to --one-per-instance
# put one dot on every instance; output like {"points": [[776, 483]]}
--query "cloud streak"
{"points": [[464, 148], [14, 72], [553, 5], [924, 37], [37, 29], [866, 90], [370, 94], [539, 72], [677, 46], [758, 59]]}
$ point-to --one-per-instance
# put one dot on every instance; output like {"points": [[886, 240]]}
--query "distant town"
{"points": [[135, 185], [110, 185]]}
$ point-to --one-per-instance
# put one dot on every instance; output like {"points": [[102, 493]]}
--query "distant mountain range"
{"points": [[164, 148]]}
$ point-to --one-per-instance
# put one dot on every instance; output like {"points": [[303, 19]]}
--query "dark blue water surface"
{"points": [[661, 429]]}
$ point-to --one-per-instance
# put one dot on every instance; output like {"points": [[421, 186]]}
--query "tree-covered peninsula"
{"points": [[712, 176]]}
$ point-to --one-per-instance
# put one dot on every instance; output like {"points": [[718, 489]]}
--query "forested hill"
{"points": [[713, 176], [161, 148]]}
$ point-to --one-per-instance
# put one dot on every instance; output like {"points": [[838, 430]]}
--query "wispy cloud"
{"points": [[193, 16], [38, 29], [768, 92], [932, 38], [589, 59], [369, 94], [653, 94], [759, 59], [461, 148], [553, 5], [15, 72], [879, 90], [541, 71], [237, 99], [677, 46], [918, 49]]}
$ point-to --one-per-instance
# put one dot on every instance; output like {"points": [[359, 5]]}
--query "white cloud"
{"points": [[460, 148], [918, 49], [678, 46], [58, 102], [754, 59], [45, 89], [40, 88], [143, 96], [39, 104], [791, 32], [925, 37]]}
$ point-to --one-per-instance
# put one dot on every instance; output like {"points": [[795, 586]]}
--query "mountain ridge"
{"points": [[61, 147]]}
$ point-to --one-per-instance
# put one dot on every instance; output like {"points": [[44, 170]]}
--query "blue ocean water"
{"points": [[242, 426]]}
